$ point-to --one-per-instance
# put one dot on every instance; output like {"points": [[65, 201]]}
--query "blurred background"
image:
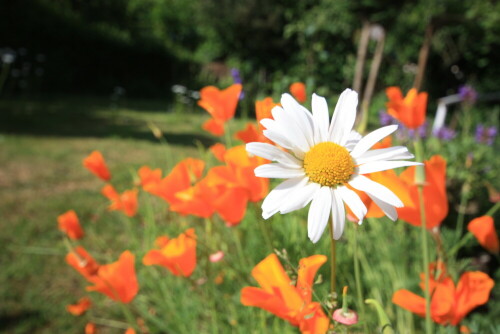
{"points": [[142, 48]]}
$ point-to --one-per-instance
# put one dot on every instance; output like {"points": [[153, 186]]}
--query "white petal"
{"points": [[375, 189], [299, 199], [278, 195], [274, 132], [353, 202], [290, 129], [354, 138], [271, 152], [321, 118], [377, 166], [301, 115], [338, 215], [319, 212], [371, 139], [343, 117], [278, 171], [390, 153], [388, 209]]}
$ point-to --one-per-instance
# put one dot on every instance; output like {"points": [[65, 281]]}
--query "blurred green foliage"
{"points": [[146, 46]]}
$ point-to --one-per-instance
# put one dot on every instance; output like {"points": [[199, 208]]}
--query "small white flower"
{"points": [[324, 157]]}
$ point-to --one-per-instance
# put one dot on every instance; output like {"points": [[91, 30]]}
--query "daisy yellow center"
{"points": [[328, 164]]}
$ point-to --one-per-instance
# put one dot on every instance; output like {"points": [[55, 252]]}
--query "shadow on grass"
{"points": [[90, 118], [10, 321]]}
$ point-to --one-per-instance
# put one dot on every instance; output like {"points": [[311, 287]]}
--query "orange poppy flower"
{"points": [[177, 255], [90, 328], [68, 223], [250, 134], [410, 110], [292, 302], [214, 126], [218, 150], [220, 104], [449, 303], [117, 280], [243, 166], [435, 198], [263, 109], [196, 200], [125, 202], [149, 178], [298, 90], [82, 262], [96, 164], [182, 176], [130, 331], [483, 229], [80, 307]]}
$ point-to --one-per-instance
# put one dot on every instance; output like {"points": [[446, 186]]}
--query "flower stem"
{"points": [[425, 254], [420, 182], [128, 315], [333, 260], [357, 277], [464, 194], [493, 209]]}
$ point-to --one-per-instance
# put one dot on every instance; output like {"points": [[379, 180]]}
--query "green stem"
{"points": [[333, 260], [357, 277], [494, 209], [425, 254], [239, 248], [420, 182], [227, 136], [460, 244], [265, 231], [461, 209], [128, 315]]}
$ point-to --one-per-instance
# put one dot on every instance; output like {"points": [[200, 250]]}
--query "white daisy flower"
{"points": [[324, 157]]}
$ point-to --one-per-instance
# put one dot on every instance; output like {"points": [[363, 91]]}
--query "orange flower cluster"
{"points": [[221, 105], [409, 110], [116, 280], [224, 190], [177, 255], [449, 303], [291, 302]]}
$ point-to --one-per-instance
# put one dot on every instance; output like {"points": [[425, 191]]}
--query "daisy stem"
{"points": [[333, 260], [357, 277]]}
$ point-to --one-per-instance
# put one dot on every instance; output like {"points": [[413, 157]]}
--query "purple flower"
{"points": [[445, 133], [467, 93], [235, 73], [385, 118], [486, 135]]}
